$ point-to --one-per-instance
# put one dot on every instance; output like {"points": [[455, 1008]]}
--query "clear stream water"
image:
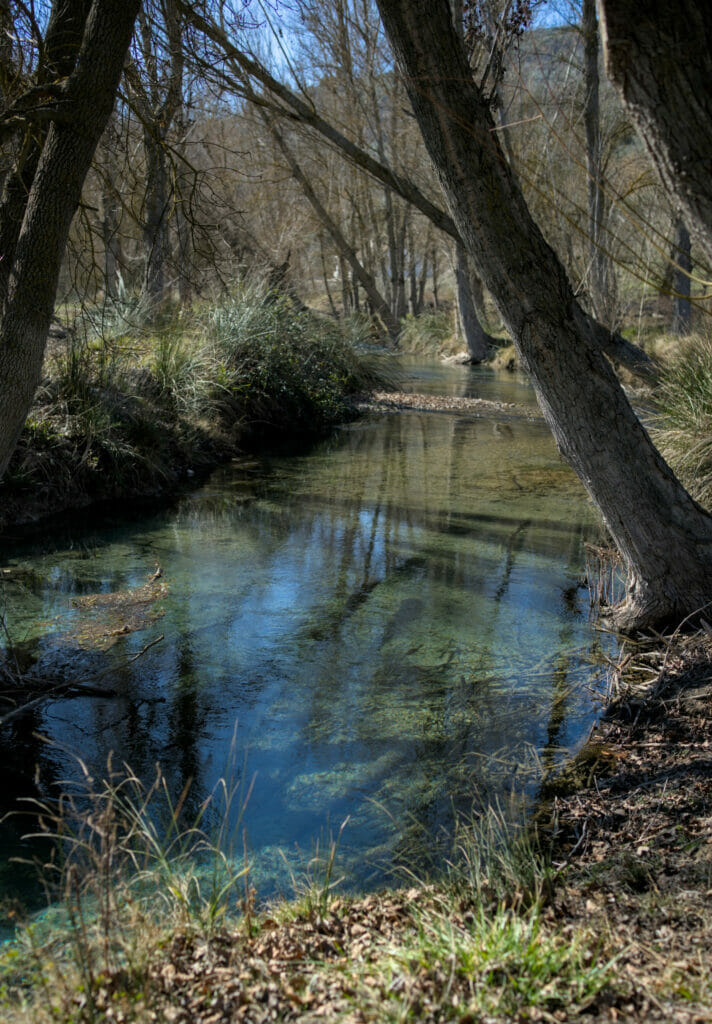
{"points": [[387, 626]]}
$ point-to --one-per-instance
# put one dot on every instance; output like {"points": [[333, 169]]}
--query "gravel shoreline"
{"points": [[397, 401]]}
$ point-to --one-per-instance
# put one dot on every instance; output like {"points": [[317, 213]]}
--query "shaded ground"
{"points": [[639, 833]]}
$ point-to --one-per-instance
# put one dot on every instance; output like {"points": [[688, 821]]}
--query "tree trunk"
{"points": [[63, 164], [659, 56], [155, 219], [601, 277], [61, 46], [663, 535], [682, 265], [112, 241], [476, 337]]}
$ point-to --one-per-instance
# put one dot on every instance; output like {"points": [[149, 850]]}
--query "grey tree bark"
{"points": [[664, 536], [659, 56], [61, 46], [601, 276], [84, 100], [110, 214], [469, 304]]}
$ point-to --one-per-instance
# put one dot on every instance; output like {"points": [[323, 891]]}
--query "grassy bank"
{"points": [[127, 408], [603, 913]]}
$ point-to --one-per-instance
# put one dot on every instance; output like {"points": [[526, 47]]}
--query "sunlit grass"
{"points": [[127, 404], [138, 885], [683, 429]]}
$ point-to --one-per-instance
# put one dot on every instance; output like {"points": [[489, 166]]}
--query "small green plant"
{"points": [[314, 889]]}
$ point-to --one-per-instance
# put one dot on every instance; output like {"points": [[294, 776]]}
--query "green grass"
{"points": [[141, 888], [429, 334], [683, 428], [127, 406], [479, 965]]}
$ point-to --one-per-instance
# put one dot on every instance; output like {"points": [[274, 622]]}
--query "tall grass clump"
{"points": [[429, 334], [129, 870], [275, 364], [130, 404], [683, 426]]}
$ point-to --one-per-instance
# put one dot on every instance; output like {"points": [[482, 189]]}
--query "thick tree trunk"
{"points": [[682, 258], [53, 199], [61, 46], [476, 337], [664, 537], [659, 56]]}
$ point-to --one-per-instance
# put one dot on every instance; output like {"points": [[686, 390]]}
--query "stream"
{"points": [[386, 627]]}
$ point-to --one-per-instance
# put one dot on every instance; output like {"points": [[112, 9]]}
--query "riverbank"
{"points": [[139, 411], [605, 912]]}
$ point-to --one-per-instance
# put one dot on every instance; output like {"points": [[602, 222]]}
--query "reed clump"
{"points": [[683, 424], [128, 406], [429, 334]]}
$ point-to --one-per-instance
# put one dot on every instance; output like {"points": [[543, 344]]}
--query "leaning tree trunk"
{"points": [[476, 337], [58, 58], [346, 252], [664, 537], [659, 56], [87, 100]]}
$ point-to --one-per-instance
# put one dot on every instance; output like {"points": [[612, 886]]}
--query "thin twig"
{"points": [[148, 646]]}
